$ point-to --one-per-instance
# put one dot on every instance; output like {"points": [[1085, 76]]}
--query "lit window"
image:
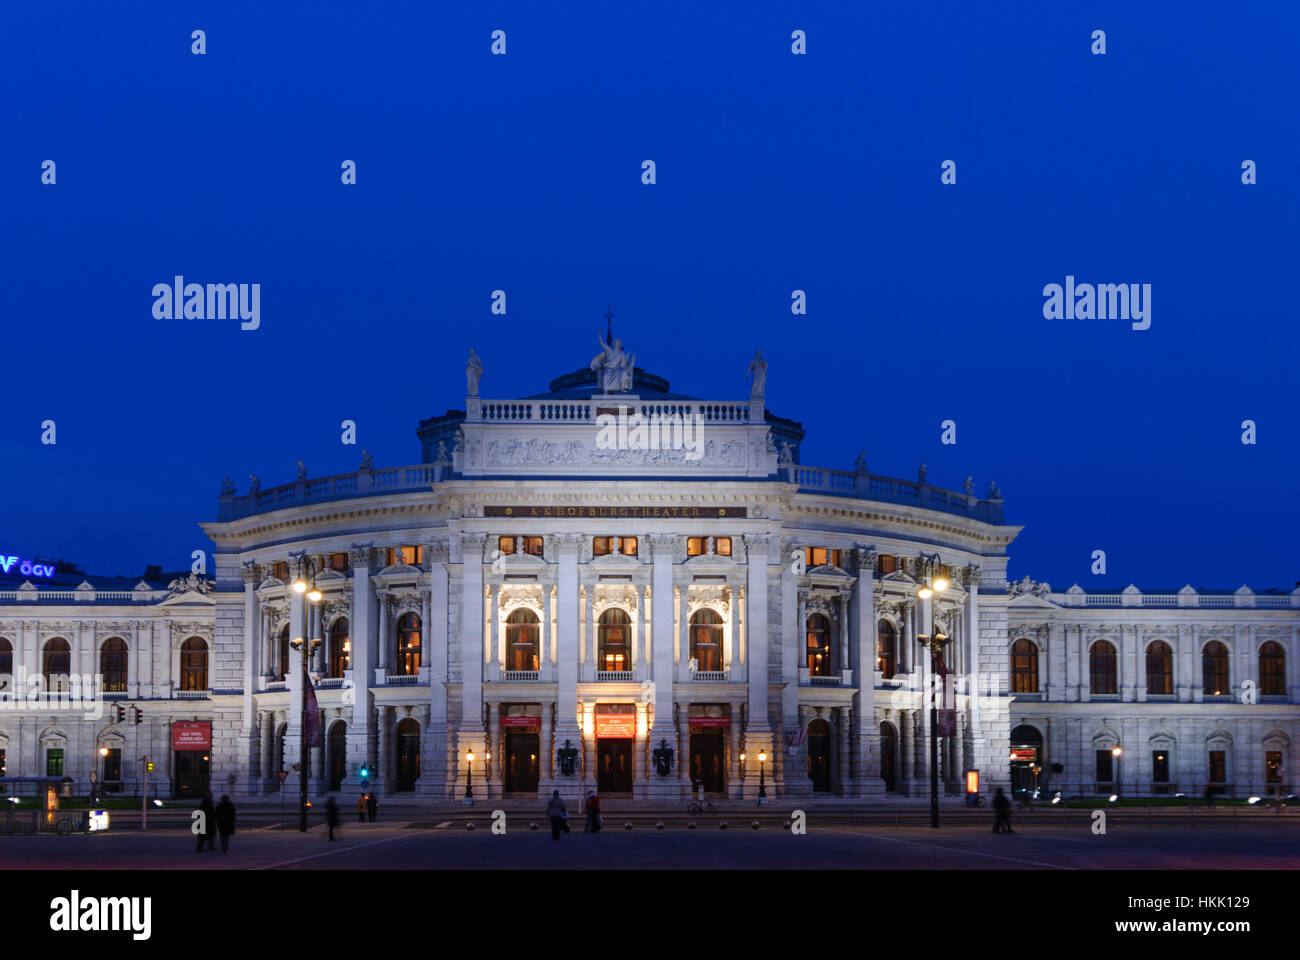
{"points": [[602, 546]]}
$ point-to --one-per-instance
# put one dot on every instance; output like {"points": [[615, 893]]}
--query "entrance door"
{"points": [[192, 773], [408, 755], [819, 755], [614, 766], [707, 761], [522, 769], [338, 754]]}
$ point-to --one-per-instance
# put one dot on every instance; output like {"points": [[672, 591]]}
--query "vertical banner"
{"points": [[946, 712], [313, 731]]}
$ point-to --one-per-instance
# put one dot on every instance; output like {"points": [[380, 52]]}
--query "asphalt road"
{"points": [[422, 844]]}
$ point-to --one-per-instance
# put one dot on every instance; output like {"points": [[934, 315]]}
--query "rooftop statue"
{"points": [[473, 370], [613, 366], [758, 371]]}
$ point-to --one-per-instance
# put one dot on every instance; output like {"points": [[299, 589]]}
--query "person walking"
{"points": [[208, 833], [1209, 796], [556, 810], [372, 806], [361, 808], [593, 813], [332, 815], [1001, 812], [225, 816]]}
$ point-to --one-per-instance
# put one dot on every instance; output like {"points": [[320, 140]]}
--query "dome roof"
{"points": [[582, 385]]}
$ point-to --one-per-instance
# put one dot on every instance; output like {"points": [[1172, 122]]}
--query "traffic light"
{"points": [[150, 766], [364, 771], [120, 712], [139, 716]]}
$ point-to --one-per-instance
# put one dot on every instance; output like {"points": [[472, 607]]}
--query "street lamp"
{"points": [[469, 783], [305, 583], [762, 778], [103, 772], [934, 642], [1116, 754]]}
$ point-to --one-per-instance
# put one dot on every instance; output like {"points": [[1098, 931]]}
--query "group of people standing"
{"points": [[559, 814]]}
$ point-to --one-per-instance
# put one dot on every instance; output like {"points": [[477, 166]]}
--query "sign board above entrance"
{"points": [[625, 511]]}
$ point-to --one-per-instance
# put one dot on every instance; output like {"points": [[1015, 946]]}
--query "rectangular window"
{"points": [[280, 571], [1159, 766], [1218, 766], [1105, 766], [113, 769], [411, 556], [339, 562], [886, 563], [816, 556], [4, 769], [1273, 766], [699, 546], [54, 762], [603, 546], [509, 545]]}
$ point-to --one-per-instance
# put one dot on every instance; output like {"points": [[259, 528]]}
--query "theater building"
{"points": [[612, 586]]}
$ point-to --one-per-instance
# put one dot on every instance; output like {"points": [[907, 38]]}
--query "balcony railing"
{"points": [[866, 486], [520, 676], [1102, 697], [401, 679], [193, 694], [1162, 698], [586, 411], [1029, 697], [619, 676], [709, 676], [327, 683]]}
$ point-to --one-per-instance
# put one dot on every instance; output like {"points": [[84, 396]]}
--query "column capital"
{"points": [[567, 542], [361, 555], [253, 574], [662, 545], [438, 551]]}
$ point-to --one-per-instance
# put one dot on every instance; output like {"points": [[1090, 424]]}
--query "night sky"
{"points": [[775, 172]]}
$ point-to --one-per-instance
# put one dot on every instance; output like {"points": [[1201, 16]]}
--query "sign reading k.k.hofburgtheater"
{"points": [[631, 512]]}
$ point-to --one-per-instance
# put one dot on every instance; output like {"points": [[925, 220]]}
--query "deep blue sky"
{"points": [[775, 172]]}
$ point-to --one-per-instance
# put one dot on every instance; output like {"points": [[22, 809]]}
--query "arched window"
{"points": [[340, 647], [194, 664], [58, 663], [6, 657], [112, 664], [1024, 666], [1102, 676], [1160, 668], [407, 662], [886, 649], [521, 640], [706, 639], [613, 636], [1214, 669], [818, 646], [282, 653], [1272, 670]]}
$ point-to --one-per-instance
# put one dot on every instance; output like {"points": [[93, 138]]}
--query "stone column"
{"points": [[660, 655], [844, 648], [492, 767], [297, 632], [548, 654], [864, 748], [758, 732], [471, 735], [496, 645], [361, 726], [843, 728], [269, 778], [733, 761], [684, 745], [638, 636], [592, 659], [906, 637], [387, 759], [729, 648], [251, 641], [566, 630], [545, 770], [684, 628], [382, 640], [905, 755], [640, 776], [434, 780]]}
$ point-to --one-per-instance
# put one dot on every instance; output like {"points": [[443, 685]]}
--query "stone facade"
{"points": [[534, 590]]}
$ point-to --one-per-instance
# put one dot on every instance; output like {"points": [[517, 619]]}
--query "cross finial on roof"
{"points": [[609, 323]]}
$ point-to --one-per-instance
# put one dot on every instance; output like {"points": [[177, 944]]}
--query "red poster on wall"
{"points": [[522, 724], [191, 734], [707, 724], [616, 726]]}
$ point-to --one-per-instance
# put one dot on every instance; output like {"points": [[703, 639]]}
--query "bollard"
{"points": [[722, 825], [659, 825], [627, 825], [533, 825], [470, 825], [754, 824], [691, 825]]}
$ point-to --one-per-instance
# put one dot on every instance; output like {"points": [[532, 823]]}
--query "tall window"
{"points": [[1214, 669], [1218, 766], [280, 570], [1273, 766], [339, 562], [1272, 670], [1159, 766], [340, 647], [1102, 669], [600, 546], [58, 664], [818, 646], [194, 664], [407, 661], [613, 633], [112, 664], [1105, 766], [820, 556], [54, 761], [886, 649], [1024, 666], [521, 640], [282, 653], [6, 657], [886, 563], [1160, 668], [706, 639]]}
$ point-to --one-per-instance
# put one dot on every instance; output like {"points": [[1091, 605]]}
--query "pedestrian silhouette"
{"points": [[1001, 812], [372, 806], [332, 815], [225, 816], [208, 834], [593, 813], [556, 810], [1209, 796], [361, 808]]}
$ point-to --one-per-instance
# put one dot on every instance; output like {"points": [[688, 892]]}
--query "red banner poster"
{"points": [[705, 724], [313, 712], [191, 734], [522, 724], [616, 726]]}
